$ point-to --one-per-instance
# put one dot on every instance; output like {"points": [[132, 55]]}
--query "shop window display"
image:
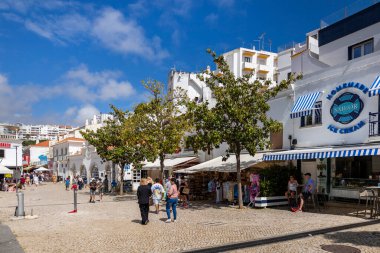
{"points": [[355, 172]]}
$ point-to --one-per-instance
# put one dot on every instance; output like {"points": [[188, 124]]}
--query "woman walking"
{"points": [[143, 195], [172, 201]]}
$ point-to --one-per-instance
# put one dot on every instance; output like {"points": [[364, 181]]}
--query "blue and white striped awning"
{"points": [[375, 88], [322, 153], [304, 105]]}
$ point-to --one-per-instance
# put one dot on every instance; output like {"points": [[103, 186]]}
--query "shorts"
{"points": [[156, 201], [306, 195], [92, 192], [291, 193]]}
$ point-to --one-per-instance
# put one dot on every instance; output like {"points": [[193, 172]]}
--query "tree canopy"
{"points": [[239, 116], [117, 141], [161, 121]]}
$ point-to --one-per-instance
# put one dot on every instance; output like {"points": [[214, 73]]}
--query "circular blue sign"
{"points": [[346, 108]]}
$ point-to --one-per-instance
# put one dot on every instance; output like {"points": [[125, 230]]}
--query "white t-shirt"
{"points": [[157, 190]]}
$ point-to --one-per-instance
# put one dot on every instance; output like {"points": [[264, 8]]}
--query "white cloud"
{"points": [[16, 101], [95, 78], [85, 112], [83, 85], [73, 22], [115, 90], [80, 86], [126, 36]]}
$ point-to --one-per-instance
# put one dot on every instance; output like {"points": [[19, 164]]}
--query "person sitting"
{"points": [[292, 188], [307, 190]]}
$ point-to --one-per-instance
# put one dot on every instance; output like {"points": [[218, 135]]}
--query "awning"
{"points": [[218, 165], [375, 88], [304, 105], [322, 153], [168, 162], [5, 170]]}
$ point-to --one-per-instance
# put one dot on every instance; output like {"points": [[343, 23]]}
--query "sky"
{"points": [[62, 61]]}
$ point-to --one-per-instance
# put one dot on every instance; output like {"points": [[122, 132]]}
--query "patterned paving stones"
{"points": [[110, 226]]}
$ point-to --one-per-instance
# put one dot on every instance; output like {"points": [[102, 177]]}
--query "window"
{"points": [[2, 153], [262, 61], [315, 118], [360, 49], [247, 59]]}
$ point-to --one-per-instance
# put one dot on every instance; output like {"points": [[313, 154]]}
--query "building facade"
{"points": [[331, 117]]}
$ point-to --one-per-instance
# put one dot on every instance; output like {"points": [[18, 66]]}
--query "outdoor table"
{"points": [[376, 199]]}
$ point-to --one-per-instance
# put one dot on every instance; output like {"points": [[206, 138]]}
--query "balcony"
{"points": [[263, 69], [263, 55], [374, 124], [248, 66], [248, 53]]}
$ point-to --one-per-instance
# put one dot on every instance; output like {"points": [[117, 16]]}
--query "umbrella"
{"points": [[42, 169], [5, 170]]}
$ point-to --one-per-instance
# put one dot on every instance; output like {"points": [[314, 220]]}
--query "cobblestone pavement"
{"points": [[110, 226]]}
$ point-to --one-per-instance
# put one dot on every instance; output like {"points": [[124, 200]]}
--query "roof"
{"points": [[219, 165], [71, 139], [44, 144], [168, 162]]}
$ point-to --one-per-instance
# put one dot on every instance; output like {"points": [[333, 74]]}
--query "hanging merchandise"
{"points": [[255, 186]]}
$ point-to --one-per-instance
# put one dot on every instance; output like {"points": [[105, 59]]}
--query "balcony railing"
{"points": [[374, 124]]}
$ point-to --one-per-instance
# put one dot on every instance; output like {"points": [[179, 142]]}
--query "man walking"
{"points": [[143, 194]]}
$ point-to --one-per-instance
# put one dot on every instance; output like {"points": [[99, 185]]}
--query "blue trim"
{"points": [[321, 154], [304, 105], [375, 88]]}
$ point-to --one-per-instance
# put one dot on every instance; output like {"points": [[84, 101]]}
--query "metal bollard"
{"points": [[20, 204], [75, 200]]}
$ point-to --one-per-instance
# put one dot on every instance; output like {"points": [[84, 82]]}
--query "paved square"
{"points": [[111, 226]]}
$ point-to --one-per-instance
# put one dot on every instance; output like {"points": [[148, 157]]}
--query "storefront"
{"points": [[333, 127], [338, 171]]}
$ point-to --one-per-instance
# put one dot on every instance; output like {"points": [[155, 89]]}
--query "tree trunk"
{"points": [[162, 165], [238, 177], [121, 192]]}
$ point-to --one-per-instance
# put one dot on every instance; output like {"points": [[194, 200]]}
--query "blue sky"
{"points": [[62, 61]]}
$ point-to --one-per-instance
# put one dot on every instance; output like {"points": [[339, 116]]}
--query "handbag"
{"points": [[186, 190]]}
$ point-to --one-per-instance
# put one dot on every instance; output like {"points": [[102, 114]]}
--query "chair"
{"points": [[312, 200], [369, 196]]}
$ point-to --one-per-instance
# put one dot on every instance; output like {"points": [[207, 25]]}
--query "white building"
{"points": [[11, 153], [262, 64], [331, 117], [32, 132], [39, 153], [62, 151], [72, 155]]}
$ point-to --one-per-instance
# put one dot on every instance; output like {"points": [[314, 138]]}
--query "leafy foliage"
{"points": [[160, 122], [274, 180], [117, 141], [239, 116]]}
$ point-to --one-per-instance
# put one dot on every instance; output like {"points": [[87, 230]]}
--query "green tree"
{"points": [[239, 116], [161, 121], [117, 141]]}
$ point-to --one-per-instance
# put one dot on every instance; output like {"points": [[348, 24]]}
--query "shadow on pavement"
{"points": [[8, 242], [366, 238], [255, 243]]}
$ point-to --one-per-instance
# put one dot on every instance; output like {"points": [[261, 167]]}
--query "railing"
{"points": [[346, 11], [374, 124]]}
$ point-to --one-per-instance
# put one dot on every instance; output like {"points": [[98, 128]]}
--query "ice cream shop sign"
{"points": [[5, 145], [346, 107]]}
